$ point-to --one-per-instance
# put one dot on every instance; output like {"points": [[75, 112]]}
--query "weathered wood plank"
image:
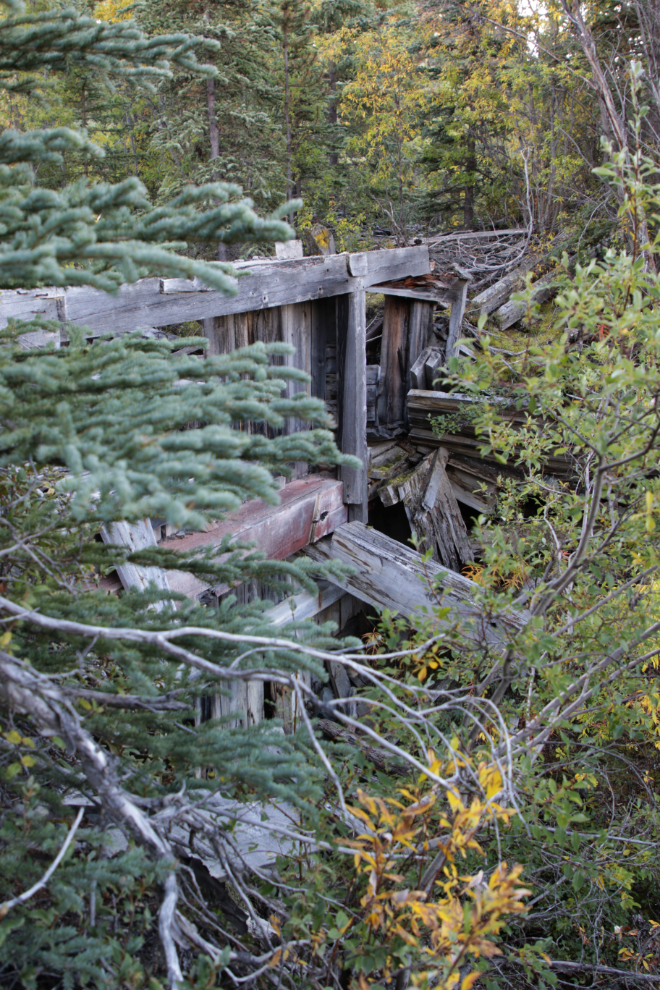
{"points": [[456, 318], [442, 296], [513, 310], [154, 302], [467, 489], [297, 331], [390, 575], [421, 317], [380, 266], [309, 509], [463, 440], [323, 332], [352, 398], [136, 536], [394, 362], [438, 518]]}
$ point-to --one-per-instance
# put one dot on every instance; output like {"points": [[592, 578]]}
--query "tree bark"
{"points": [[613, 120], [333, 157], [468, 201], [287, 111]]}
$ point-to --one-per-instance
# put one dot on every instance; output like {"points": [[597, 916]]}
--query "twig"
{"points": [[22, 898]]}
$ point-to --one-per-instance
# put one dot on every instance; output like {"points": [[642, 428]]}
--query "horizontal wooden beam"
{"points": [[463, 440], [155, 302], [444, 297], [393, 576], [310, 508]]}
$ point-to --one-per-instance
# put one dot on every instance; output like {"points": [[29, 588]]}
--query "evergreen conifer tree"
{"points": [[90, 435]]}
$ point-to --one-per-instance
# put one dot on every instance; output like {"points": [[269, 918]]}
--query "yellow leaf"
{"points": [[28, 761], [470, 980], [13, 737]]}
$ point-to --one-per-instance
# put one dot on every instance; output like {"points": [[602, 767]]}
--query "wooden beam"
{"points": [[421, 317], [323, 332], [154, 302], [296, 323], [389, 575], [309, 509], [456, 318], [393, 362], [423, 403], [442, 296], [352, 398]]}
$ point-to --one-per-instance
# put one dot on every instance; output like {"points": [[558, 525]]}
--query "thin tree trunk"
{"points": [[333, 157], [84, 123], [130, 120], [468, 201], [612, 119], [214, 140], [214, 134], [287, 114]]}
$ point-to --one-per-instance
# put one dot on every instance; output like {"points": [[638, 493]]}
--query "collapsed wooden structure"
{"points": [[382, 410]]}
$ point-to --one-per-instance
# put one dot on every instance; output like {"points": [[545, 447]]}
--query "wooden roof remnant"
{"points": [[390, 575], [155, 302]]}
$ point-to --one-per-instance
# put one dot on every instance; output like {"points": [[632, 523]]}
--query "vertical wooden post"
{"points": [[296, 330], [393, 362], [421, 320], [456, 317], [226, 333], [352, 398], [421, 315], [323, 331]]}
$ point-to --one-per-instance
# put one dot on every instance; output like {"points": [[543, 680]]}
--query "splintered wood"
{"points": [[433, 512]]}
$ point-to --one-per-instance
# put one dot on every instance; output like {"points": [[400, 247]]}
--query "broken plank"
{"points": [[421, 321], [438, 519], [389, 575], [136, 536], [418, 370], [516, 309], [467, 490]]}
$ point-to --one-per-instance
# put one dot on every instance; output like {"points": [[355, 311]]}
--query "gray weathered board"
{"points": [[424, 405], [390, 575], [136, 536], [155, 302]]}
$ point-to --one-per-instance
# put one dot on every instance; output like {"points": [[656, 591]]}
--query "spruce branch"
{"points": [[40, 884], [45, 703]]}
